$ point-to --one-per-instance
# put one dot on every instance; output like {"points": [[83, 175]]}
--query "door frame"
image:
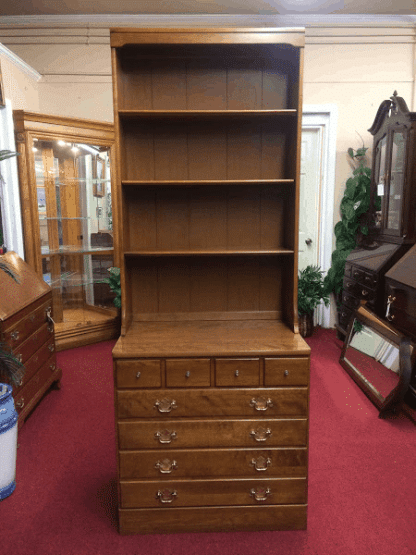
{"points": [[324, 118]]}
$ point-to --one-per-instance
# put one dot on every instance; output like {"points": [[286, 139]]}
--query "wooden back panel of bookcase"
{"points": [[208, 126]]}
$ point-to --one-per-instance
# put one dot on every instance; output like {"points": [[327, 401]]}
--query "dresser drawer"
{"points": [[203, 463], [350, 301], [286, 371], [33, 388], [138, 373], [194, 493], [16, 331], [170, 403], [237, 372], [33, 343], [188, 372], [46, 351], [359, 290], [212, 433]]}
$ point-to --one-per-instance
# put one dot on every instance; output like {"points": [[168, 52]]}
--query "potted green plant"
{"points": [[311, 293], [114, 283]]}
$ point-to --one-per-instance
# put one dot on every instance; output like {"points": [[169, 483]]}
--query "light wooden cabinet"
{"points": [[211, 374], [67, 207]]}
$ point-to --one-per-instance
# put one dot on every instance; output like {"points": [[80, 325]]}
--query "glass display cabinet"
{"points": [[68, 208]]}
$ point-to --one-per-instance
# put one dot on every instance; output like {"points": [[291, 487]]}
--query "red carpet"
{"points": [[362, 476]]}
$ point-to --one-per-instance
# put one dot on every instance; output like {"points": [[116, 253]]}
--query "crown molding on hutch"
{"points": [[19, 63]]}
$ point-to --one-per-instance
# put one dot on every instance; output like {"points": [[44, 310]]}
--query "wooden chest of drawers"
{"points": [[27, 330], [211, 442]]}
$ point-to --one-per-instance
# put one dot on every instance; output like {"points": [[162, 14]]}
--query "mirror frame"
{"points": [[392, 402]]}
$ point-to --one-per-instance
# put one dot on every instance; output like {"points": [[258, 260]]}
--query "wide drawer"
{"points": [[27, 393], [237, 372], [359, 290], [197, 493], [46, 351], [212, 519], [286, 371], [205, 463], [16, 331], [148, 434], [194, 372], [137, 373], [290, 401]]}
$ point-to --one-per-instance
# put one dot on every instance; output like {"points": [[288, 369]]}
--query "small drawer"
{"points": [[188, 372], [19, 331], [286, 371], [237, 372], [138, 373], [370, 280], [350, 300], [33, 343], [357, 274]]}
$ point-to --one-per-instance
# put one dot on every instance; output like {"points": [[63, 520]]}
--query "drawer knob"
{"points": [[261, 403], [165, 436], [364, 293], [237, 373], [20, 403], [260, 494], [286, 372], [15, 335], [166, 496], [138, 375], [52, 367], [187, 374], [261, 434], [32, 318], [165, 405], [19, 358], [51, 347], [166, 466], [261, 463]]}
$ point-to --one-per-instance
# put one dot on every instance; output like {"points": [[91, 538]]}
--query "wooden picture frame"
{"points": [[99, 175], [365, 368]]}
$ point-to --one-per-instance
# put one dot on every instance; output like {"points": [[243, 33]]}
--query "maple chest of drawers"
{"points": [[211, 442], [27, 332]]}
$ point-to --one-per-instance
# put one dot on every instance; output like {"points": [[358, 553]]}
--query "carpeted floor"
{"points": [[362, 474]]}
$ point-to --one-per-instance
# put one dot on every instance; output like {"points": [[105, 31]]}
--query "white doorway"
{"points": [[316, 206]]}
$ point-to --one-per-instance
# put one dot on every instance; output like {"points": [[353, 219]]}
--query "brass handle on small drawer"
{"points": [[51, 347], [165, 436], [390, 301], [165, 405], [262, 463], [20, 403], [50, 328], [49, 315], [166, 466], [261, 403], [364, 293], [261, 434], [19, 357], [166, 496], [14, 335], [52, 367], [260, 494]]}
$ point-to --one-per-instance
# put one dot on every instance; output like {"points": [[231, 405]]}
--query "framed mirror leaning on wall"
{"points": [[379, 359]]}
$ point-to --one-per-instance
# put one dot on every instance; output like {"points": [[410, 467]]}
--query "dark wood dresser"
{"points": [[27, 329]]}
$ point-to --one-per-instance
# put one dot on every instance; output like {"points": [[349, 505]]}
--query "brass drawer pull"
{"points": [[260, 494], [50, 328], [166, 496], [364, 293], [51, 347], [390, 301], [52, 367], [237, 373], [286, 372], [20, 403], [19, 358], [165, 436], [32, 318], [187, 374], [261, 434], [165, 405], [49, 315], [15, 335], [262, 463], [138, 375], [166, 466], [261, 403]]}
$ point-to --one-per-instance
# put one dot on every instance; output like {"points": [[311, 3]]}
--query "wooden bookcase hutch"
{"points": [[211, 374]]}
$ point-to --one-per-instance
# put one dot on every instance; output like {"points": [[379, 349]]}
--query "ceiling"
{"points": [[246, 7]]}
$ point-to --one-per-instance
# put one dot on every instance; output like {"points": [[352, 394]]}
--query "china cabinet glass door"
{"points": [[73, 189]]}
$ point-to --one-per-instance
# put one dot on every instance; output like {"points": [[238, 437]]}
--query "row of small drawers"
{"points": [[194, 493], [206, 372]]}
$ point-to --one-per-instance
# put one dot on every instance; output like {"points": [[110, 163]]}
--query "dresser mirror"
{"points": [[379, 359]]}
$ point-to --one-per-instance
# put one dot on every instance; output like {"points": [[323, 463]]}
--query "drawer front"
{"points": [[358, 290], [26, 349], [170, 403], [46, 351], [188, 372], [286, 371], [350, 301], [203, 463], [212, 433], [22, 329], [404, 298], [29, 391], [196, 493], [345, 314], [138, 373], [238, 372]]}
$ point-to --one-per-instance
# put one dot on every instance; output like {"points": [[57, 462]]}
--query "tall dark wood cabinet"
{"points": [[392, 219], [211, 374], [27, 332]]}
